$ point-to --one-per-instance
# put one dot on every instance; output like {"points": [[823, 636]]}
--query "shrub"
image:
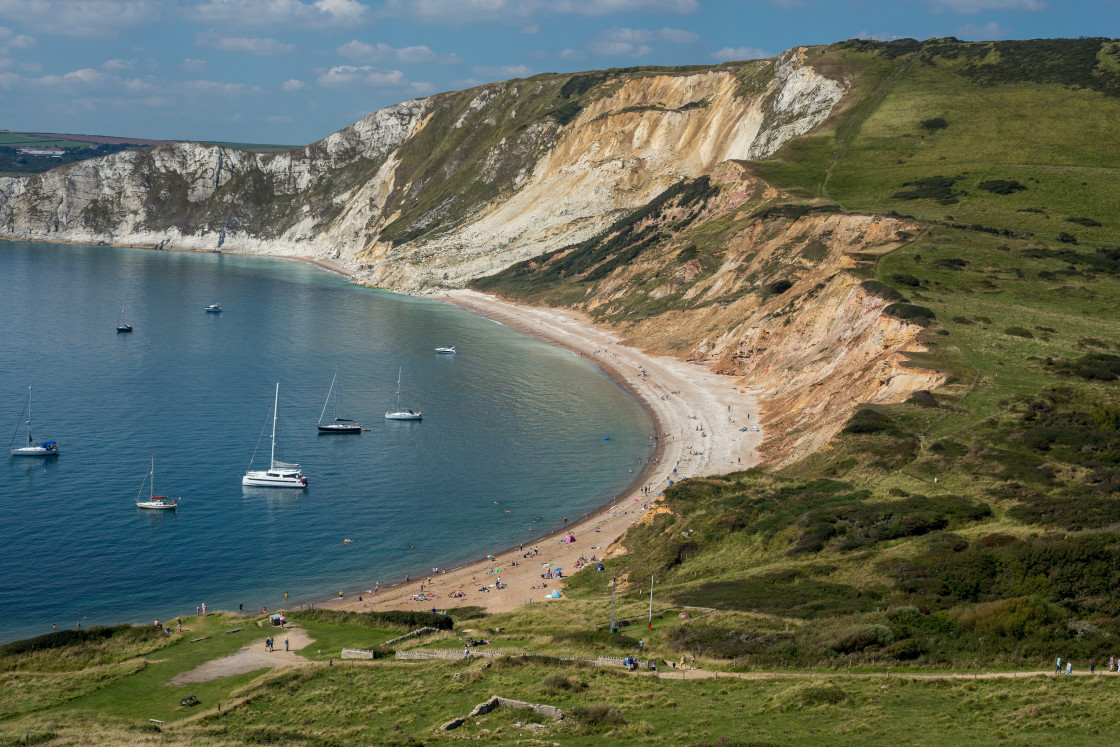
{"points": [[903, 278], [911, 313], [1001, 186], [1095, 367], [602, 716], [861, 637], [933, 124], [923, 398], [938, 188], [882, 290], [65, 638], [565, 113], [1087, 222], [1066, 238], [867, 420], [778, 287], [1018, 332], [950, 263], [687, 254]]}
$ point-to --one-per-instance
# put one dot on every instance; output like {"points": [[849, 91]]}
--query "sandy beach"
{"points": [[698, 414]]}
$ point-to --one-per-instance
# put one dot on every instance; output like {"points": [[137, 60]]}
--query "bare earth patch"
{"points": [[251, 657]]}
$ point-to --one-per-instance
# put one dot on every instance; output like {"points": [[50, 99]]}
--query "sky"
{"points": [[294, 71]]}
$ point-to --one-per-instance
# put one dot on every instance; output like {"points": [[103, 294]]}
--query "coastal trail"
{"points": [[251, 657]]}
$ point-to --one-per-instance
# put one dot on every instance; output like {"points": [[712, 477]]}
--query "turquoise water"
{"points": [[516, 435]]}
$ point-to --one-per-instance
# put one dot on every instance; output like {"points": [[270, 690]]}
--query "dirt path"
{"points": [[251, 657]]}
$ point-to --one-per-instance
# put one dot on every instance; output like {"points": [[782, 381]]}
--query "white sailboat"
{"points": [[122, 326], [401, 413], [338, 425], [46, 448], [154, 501], [279, 474]]}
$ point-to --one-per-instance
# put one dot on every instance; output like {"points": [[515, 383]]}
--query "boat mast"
{"points": [[324, 412], [275, 402], [152, 481], [398, 389], [29, 414]]}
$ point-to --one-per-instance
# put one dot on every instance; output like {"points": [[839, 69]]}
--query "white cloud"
{"points": [[117, 65], [462, 11], [728, 54], [626, 42], [91, 18], [288, 13], [571, 54], [361, 52], [293, 85], [11, 40], [986, 32], [503, 71], [78, 78], [8, 80], [878, 37], [252, 45], [534, 29], [346, 76], [970, 7], [194, 66], [221, 89], [137, 85]]}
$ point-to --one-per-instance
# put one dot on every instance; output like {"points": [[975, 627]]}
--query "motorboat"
{"points": [[214, 307], [401, 413], [278, 474], [447, 349], [46, 448], [159, 502]]}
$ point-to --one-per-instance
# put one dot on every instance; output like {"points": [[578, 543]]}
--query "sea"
{"points": [[517, 435]]}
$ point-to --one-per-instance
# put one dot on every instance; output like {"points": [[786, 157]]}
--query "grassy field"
{"points": [[16, 139]]}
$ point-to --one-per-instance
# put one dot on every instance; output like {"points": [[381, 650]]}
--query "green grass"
{"points": [[15, 139]]}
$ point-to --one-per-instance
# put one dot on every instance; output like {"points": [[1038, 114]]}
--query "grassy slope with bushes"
{"points": [[973, 527]]}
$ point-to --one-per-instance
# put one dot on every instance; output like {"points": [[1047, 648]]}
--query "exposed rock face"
{"points": [[496, 198]]}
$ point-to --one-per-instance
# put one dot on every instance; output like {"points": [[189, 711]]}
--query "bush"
{"points": [[1087, 222], [903, 278], [66, 638], [1018, 332], [933, 124], [1066, 238], [378, 620], [1001, 186], [923, 398], [882, 290], [911, 313], [778, 287], [861, 637], [1095, 367], [938, 188], [950, 263], [602, 716]]}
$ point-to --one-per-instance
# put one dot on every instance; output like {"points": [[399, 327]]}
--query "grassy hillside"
{"points": [[975, 527], [977, 523]]}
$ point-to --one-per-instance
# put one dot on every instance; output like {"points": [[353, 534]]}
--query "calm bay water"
{"points": [[512, 441]]}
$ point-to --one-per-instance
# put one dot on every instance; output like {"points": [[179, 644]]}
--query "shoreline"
{"points": [[697, 415]]}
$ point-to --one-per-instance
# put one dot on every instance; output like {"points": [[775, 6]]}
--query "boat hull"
{"points": [[124, 328], [403, 416], [340, 429], [35, 451], [158, 505], [273, 480]]}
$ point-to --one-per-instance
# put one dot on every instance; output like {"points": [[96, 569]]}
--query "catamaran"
{"points": [[338, 425], [279, 474], [47, 448], [154, 501], [401, 413]]}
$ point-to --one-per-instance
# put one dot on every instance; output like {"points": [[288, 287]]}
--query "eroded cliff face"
{"points": [[773, 297], [498, 176]]}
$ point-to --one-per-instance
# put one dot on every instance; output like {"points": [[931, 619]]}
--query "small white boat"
{"points": [[122, 326], [447, 349], [338, 425], [214, 307], [154, 501], [279, 474], [401, 413], [46, 448]]}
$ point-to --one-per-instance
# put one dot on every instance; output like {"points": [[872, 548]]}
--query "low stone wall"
{"points": [[357, 653], [443, 653], [496, 701], [414, 634]]}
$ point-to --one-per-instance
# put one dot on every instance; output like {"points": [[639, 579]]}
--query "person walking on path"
{"points": [[1069, 667], [1058, 666]]}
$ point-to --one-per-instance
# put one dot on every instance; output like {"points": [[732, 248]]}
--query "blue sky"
{"points": [[294, 71]]}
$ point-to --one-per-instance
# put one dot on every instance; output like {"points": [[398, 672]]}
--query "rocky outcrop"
{"points": [[434, 192]]}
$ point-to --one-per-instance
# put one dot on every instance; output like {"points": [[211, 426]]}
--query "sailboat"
{"points": [[338, 425], [47, 448], [401, 413], [154, 501], [121, 326], [279, 474]]}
